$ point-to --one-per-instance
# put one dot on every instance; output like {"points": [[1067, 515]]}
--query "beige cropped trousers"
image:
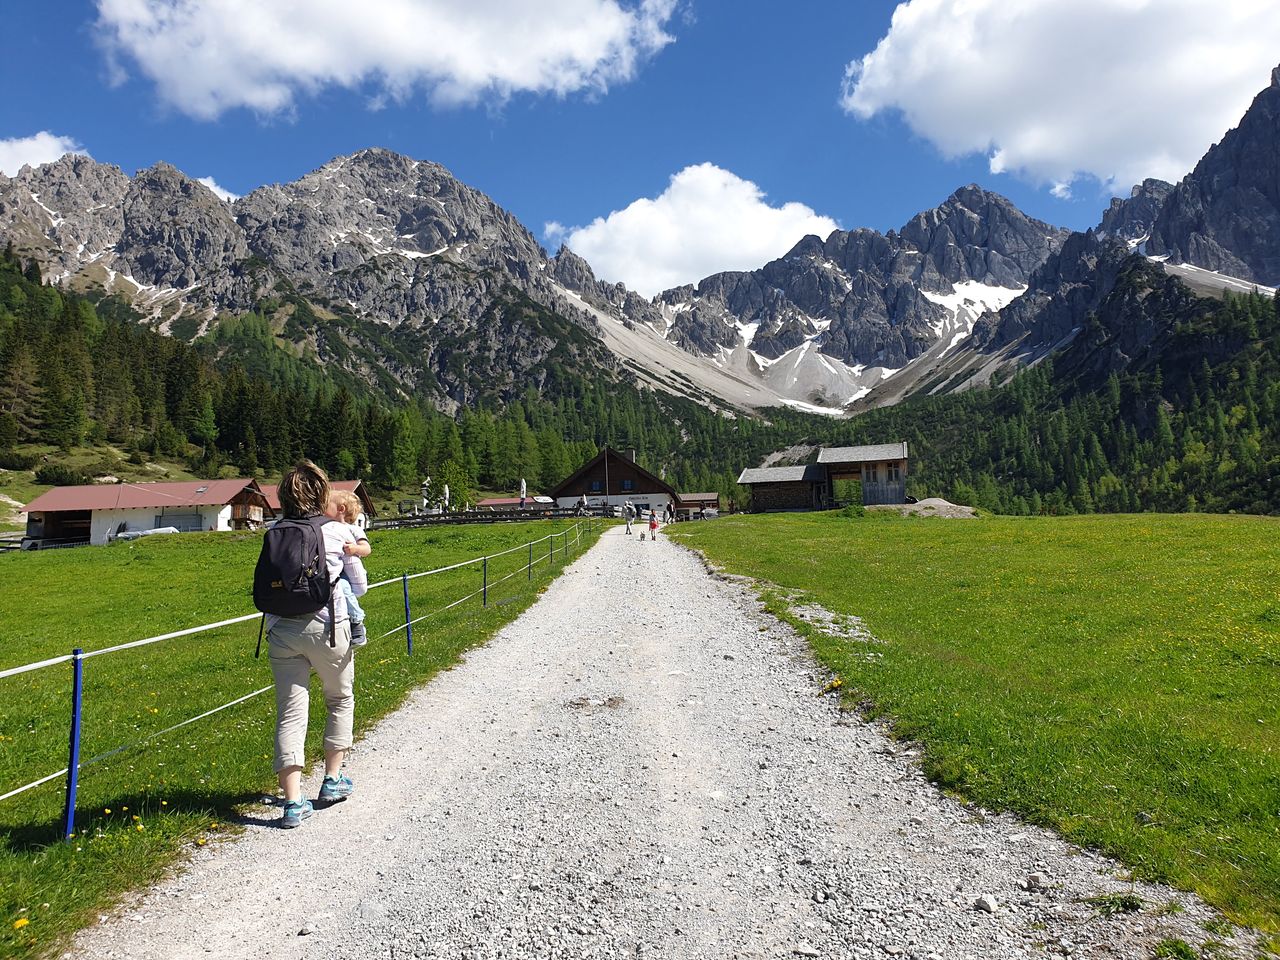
{"points": [[297, 646]]}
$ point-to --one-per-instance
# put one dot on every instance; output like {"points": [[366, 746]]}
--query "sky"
{"points": [[663, 140]]}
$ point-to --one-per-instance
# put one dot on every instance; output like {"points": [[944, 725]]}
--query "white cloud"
{"points": [[209, 56], [221, 192], [706, 221], [44, 147], [1054, 90]]}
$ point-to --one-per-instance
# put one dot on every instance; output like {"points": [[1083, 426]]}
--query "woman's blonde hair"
{"points": [[304, 490], [349, 505]]}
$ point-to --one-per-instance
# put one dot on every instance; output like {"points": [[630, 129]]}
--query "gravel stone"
{"points": [[718, 808]]}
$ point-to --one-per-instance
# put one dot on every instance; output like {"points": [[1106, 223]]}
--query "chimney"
{"points": [[631, 455]]}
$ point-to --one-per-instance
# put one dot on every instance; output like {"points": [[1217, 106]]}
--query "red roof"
{"points": [[134, 496], [351, 486]]}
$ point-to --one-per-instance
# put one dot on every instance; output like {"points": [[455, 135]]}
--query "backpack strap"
{"points": [[262, 624]]}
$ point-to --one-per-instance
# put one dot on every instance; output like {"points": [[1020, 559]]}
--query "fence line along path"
{"points": [[641, 765], [569, 538]]}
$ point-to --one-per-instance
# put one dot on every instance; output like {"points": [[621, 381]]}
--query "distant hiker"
{"points": [[629, 511], [319, 638], [653, 525], [582, 506], [344, 507], [668, 513]]}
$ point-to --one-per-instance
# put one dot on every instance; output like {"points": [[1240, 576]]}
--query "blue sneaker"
{"points": [[336, 788], [295, 811]]}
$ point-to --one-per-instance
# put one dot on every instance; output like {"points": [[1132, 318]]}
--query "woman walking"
{"points": [[319, 641]]}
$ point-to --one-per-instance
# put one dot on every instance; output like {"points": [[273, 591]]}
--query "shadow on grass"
{"points": [[242, 808]]}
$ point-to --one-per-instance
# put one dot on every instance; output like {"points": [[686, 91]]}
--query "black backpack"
{"points": [[292, 577]]}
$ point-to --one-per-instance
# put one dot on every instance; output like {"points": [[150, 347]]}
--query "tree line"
{"points": [[1195, 428]]}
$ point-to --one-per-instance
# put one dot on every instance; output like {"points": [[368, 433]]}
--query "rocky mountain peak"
{"points": [[1225, 215]]}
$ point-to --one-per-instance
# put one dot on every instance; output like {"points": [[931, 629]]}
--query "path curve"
{"points": [[641, 765]]}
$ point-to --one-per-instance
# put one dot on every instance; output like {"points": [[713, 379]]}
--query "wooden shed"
{"points": [[880, 468], [786, 488]]}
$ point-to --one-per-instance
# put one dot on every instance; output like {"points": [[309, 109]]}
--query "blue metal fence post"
{"points": [[408, 626], [73, 753], [484, 596]]}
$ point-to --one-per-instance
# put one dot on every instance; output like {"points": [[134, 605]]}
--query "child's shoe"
{"points": [[358, 636]]}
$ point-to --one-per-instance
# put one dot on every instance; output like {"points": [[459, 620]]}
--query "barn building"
{"points": [[611, 479], [96, 513], [881, 469]]}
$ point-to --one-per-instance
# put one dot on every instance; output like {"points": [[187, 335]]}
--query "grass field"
{"points": [[1115, 677], [140, 808]]}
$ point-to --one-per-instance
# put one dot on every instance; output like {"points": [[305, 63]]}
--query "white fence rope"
{"points": [[14, 671]]}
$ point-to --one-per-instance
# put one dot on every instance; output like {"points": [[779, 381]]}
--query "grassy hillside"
{"points": [[141, 807], [1113, 677]]}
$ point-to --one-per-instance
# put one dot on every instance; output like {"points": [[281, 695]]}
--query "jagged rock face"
{"points": [[177, 233], [1060, 295], [377, 204], [1225, 215], [1133, 218], [860, 294], [71, 211]]}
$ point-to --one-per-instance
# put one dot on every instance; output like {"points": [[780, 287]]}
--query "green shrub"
{"points": [[12, 460], [1175, 950], [853, 510], [58, 475]]}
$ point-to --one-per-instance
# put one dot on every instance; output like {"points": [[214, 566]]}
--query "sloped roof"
{"points": [[868, 454], [351, 486], [565, 487], [811, 472], [699, 497], [135, 496]]}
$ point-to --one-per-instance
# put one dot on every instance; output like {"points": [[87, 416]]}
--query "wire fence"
{"points": [[568, 539]]}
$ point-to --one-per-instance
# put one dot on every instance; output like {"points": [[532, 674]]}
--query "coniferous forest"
{"points": [[1195, 428]]}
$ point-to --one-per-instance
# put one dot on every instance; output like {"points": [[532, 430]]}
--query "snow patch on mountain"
{"points": [[967, 301]]}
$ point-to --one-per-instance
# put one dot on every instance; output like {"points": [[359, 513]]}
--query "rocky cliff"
{"points": [[1225, 215]]}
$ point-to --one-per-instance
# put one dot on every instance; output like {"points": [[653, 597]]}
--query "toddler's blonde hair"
{"points": [[348, 504]]}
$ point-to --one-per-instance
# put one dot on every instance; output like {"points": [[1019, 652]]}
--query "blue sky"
{"points": [[756, 89]]}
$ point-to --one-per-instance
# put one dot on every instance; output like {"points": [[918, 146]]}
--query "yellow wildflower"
{"points": [[20, 923]]}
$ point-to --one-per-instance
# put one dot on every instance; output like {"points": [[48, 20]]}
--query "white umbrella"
{"points": [[523, 489], [446, 496]]}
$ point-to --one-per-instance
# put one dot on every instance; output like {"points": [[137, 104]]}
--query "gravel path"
{"points": [[640, 766]]}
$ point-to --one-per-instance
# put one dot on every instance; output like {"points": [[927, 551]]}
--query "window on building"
{"points": [[597, 486], [628, 485], [894, 471], [872, 474]]}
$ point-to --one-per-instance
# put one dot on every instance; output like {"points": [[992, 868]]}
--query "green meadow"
{"points": [[140, 808], [1114, 677]]}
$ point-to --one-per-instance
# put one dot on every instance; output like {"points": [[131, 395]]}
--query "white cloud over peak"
{"points": [[221, 192], [706, 221], [1056, 90], [210, 56], [43, 147]]}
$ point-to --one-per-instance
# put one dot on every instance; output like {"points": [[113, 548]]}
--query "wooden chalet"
{"points": [[612, 478], [98, 513], [881, 469]]}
